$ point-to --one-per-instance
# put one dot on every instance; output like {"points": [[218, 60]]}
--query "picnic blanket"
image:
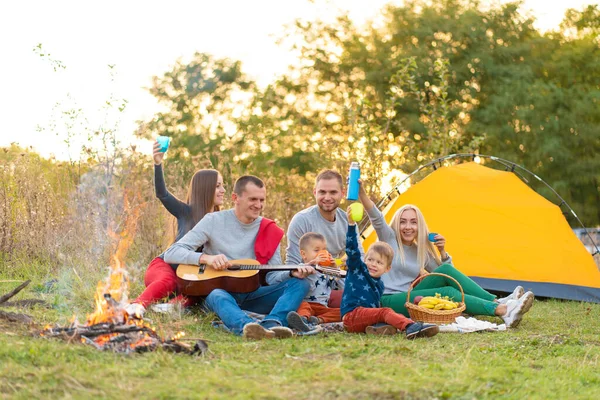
{"points": [[468, 325]]}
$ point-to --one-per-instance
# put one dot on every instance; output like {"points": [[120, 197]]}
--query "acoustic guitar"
{"points": [[241, 277]]}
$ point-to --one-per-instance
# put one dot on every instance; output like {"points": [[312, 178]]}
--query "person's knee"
{"points": [[451, 292], [216, 296], [392, 299], [300, 284], [445, 269], [169, 283]]}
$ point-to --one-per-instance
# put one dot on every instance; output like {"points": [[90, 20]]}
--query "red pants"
{"points": [[358, 319], [324, 313], [160, 281]]}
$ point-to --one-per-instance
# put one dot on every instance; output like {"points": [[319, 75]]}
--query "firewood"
{"points": [[26, 303], [14, 292], [126, 339], [14, 317], [93, 330]]}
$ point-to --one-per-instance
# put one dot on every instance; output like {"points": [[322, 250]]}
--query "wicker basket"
{"points": [[423, 314]]}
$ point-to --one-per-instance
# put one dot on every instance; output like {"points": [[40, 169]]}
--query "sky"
{"points": [[141, 39]]}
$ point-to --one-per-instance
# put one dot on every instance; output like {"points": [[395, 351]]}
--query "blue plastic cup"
{"points": [[164, 142], [432, 236]]}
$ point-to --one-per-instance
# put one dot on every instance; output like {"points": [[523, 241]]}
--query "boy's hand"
{"points": [[322, 257], [349, 214]]}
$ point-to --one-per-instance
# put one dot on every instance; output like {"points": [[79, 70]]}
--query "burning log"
{"points": [[110, 327], [122, 338], [91, 331]]}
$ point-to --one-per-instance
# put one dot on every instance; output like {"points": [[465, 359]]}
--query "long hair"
{"points": [[425, 248], [200, 197], [201, 194]]}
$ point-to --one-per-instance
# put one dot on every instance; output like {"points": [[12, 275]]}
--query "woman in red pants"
{"points": [[205, 194]]}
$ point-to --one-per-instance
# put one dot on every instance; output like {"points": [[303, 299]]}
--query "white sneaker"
{"points": [[516, 294], [515, 309], [165, 308], [135, 310]]}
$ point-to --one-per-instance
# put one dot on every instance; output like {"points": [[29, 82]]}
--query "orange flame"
{"points": [[116, 285], [111, 295]]}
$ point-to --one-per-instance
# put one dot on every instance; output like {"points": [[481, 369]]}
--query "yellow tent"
{"points": [[501, 233]]}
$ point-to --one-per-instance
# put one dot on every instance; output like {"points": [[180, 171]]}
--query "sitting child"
{"points": [[361, 299], [313, 310]]}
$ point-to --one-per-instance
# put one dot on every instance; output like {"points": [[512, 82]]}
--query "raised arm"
{"points": [[363, 197], [173, 205], [384, 231], [352, 249]]}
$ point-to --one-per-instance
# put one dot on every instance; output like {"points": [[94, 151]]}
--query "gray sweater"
{"points": [[220, 233], [402, 274], [311, 220]]}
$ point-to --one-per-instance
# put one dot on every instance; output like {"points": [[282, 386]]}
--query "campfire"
{"points": [[110, 327]]}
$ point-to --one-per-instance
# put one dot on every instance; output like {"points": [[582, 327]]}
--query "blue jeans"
{"points": [[276, 301]]}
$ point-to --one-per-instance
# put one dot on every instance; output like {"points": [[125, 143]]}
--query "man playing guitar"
{"points": [[231, 234]]}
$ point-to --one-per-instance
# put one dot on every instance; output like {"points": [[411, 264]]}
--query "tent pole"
{"points": [[365, 223]]}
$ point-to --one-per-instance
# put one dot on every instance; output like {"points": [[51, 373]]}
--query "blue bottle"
{"points": [[353, 177]]}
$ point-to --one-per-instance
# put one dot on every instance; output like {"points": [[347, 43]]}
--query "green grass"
{"points": [[553, 354]]}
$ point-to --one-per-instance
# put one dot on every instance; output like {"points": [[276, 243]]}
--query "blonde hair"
{"points": [[384, 250], [425, 248]]}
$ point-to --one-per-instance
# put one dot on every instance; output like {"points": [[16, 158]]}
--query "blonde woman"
{"points": [[415, 255]]}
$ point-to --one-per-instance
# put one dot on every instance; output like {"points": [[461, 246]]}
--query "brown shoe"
{"points": [[282, 332], [254, 331], [381, 330]]}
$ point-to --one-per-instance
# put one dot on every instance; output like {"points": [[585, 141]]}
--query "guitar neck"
{"points": [[249, 265], [264, 267]]}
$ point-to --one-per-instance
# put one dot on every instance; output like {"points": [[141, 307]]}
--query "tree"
{"points": [[433, 78]]}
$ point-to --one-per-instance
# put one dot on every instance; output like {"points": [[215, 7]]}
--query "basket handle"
{"points": [[420, 278]]}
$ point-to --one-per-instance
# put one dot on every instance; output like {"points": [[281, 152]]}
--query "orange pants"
{"points": [[324, 313], [358, 319]]}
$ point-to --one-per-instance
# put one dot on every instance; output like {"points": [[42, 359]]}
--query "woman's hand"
{"points": [[156, 154], [440, 243], [349, 215], [363, 197]]}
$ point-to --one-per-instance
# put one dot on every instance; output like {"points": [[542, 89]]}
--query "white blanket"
{"points": [[466, 325]]}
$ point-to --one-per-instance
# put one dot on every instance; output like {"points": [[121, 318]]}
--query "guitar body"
{"points": [[192, 281]]}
